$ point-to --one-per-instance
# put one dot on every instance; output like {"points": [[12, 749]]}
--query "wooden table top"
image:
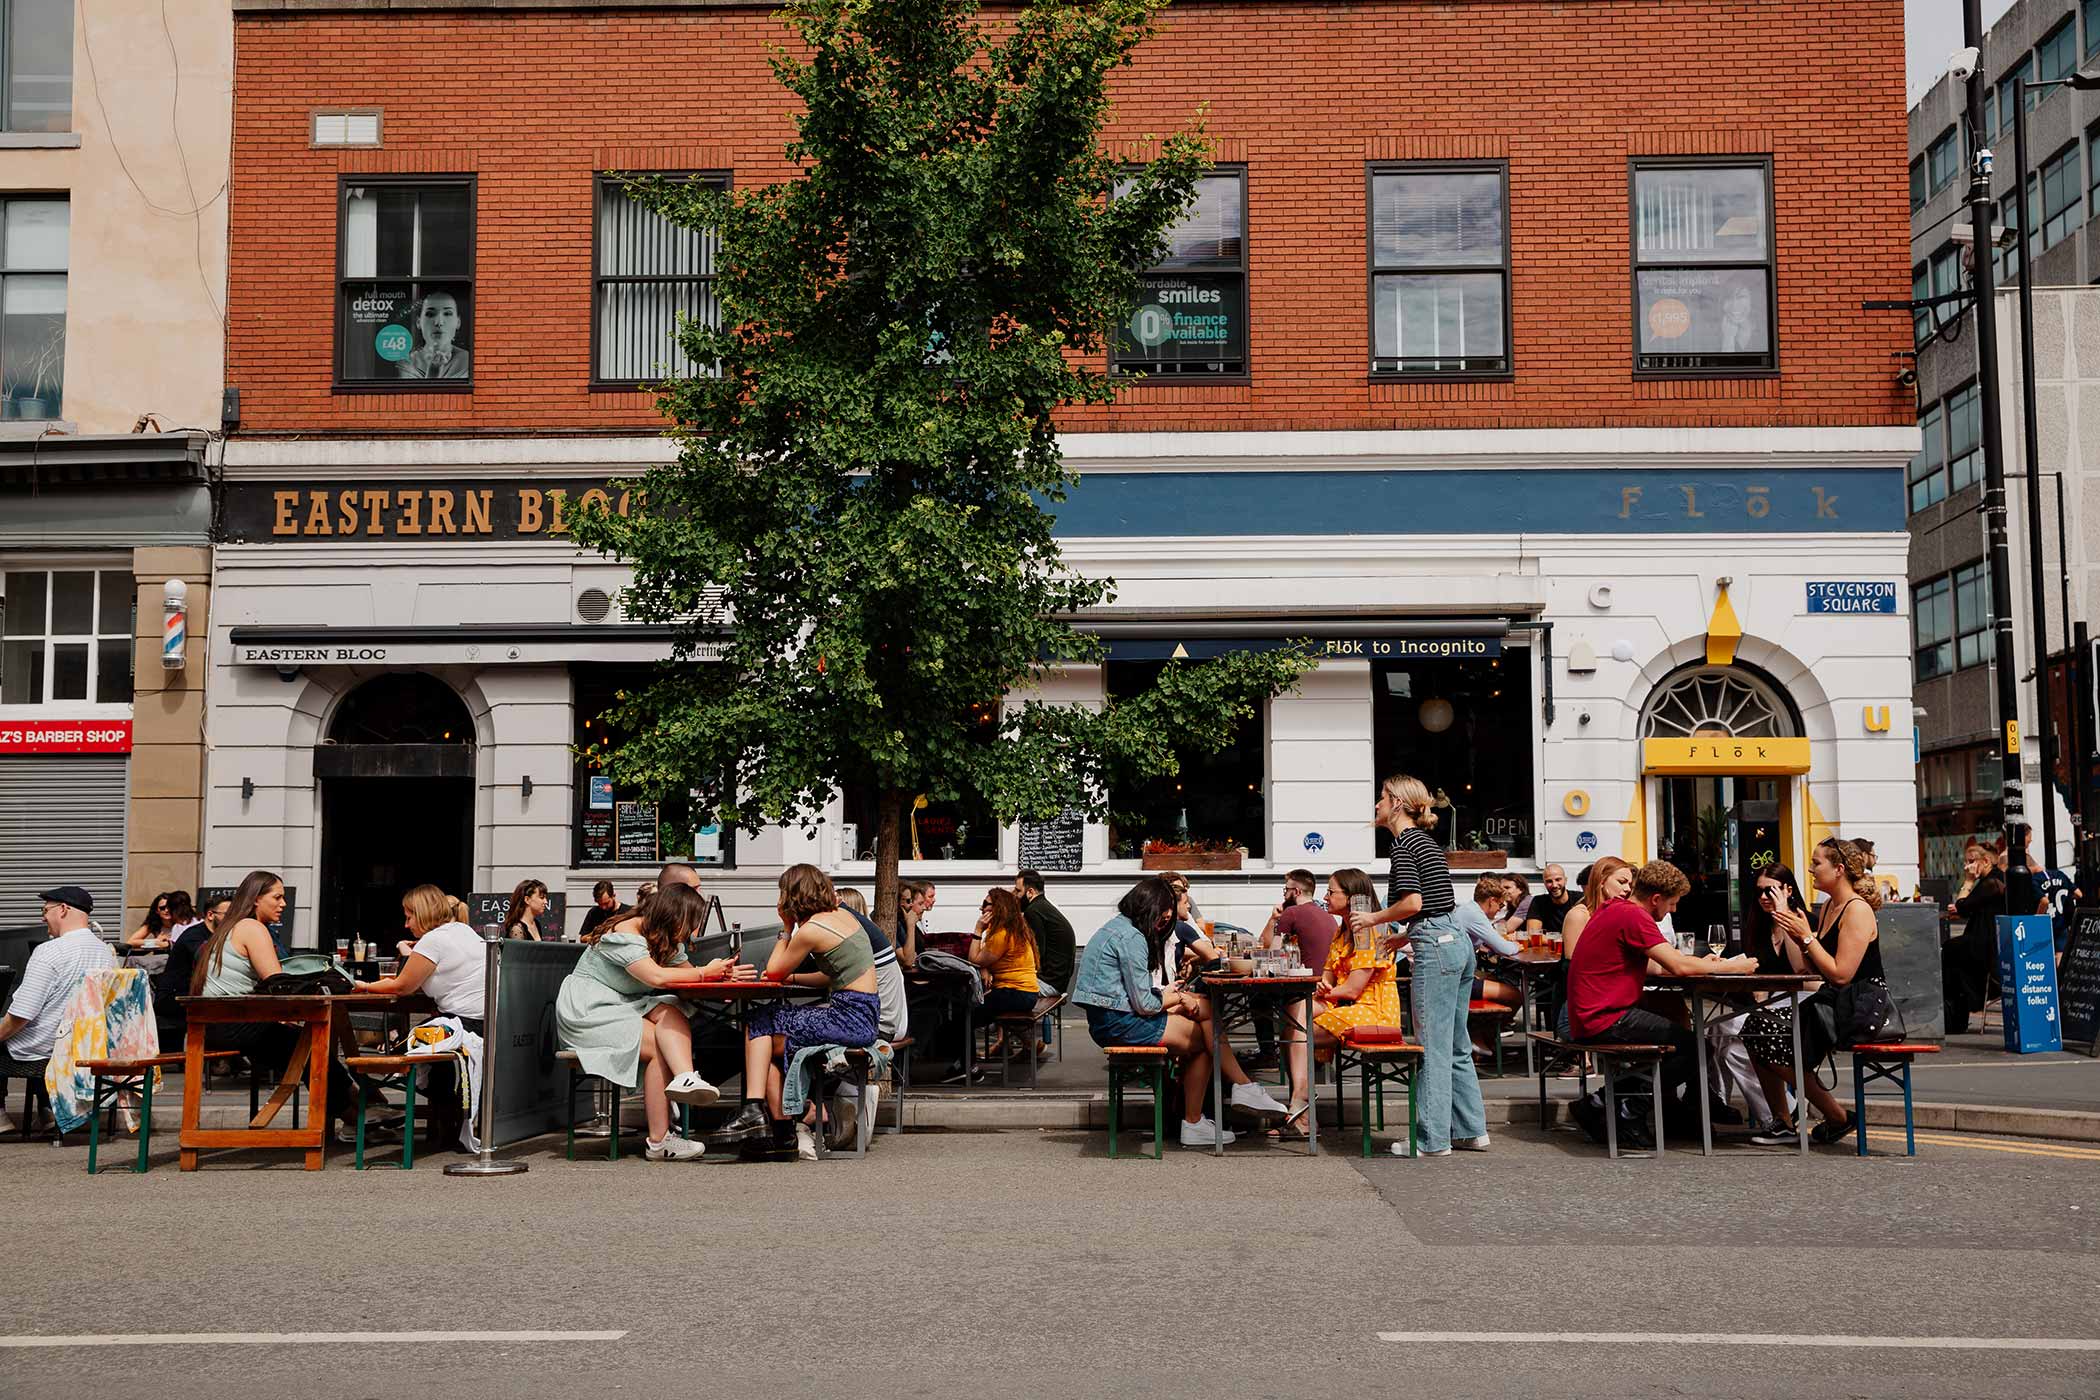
{"points": [[263, 1007]]}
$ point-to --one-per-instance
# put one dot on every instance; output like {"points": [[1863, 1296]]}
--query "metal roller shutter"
{"points": [[62, 822]]}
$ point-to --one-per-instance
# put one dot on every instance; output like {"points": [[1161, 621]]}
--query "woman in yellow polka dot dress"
{"points": [[1358, 989]]}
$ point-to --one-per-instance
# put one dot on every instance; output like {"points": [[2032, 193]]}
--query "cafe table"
{"points": [[1716, 996], [1223, 988], [317, 1017], [1527, 967]]}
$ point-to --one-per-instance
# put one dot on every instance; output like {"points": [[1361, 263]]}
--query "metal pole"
{"points": [[2030, 440], [2012, 804], [2081, 706], [486, 1164]]}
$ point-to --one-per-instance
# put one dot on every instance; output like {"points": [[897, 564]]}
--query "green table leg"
{"points": [[360, 1160], [408, 1124], [146, 1117], [1159, 1110], [94, 1124]]}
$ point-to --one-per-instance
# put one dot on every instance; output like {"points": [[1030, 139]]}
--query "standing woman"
{"points": [[1419, 894], [527, 902]]}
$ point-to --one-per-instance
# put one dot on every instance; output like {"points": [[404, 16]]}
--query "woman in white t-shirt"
{"points": [[449, 962]]}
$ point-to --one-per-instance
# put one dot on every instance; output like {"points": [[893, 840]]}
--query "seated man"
{"points": [[1612, 962], [31, 1028]]}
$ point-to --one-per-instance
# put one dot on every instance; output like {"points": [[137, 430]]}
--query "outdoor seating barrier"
{"points": [[577, 1078], [1885, 1062], [375, 1073], [1498, 1016], [1381, 1056], [1128, 1064], [1610, 1055], [113, 1078]]}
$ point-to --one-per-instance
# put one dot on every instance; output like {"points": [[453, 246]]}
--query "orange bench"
{"points": [[123, 1075], [1382, 1056], [1886, 1061]]}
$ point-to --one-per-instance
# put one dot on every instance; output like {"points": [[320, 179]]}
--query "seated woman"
{"points": [[619, 1011], [1114, 984], [527, 902], [447, 961], [1357, 988], [815, 928], [1607, 880], [1002, 947], [1776, 892], [163, 917]]}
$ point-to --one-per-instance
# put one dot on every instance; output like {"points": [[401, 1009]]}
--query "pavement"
{"points": [[1024, 1262]]}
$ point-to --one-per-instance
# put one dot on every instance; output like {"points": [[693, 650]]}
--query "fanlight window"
{"points": [[1715, 703]]}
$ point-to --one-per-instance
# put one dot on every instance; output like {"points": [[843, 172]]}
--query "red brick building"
{"points": [[1524, 299]]}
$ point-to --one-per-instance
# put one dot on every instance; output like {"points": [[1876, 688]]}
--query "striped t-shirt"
{"points": [[1419, 868]]}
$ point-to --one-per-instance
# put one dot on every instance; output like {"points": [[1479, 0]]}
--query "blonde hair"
{"points": [[853, 899], [1412, 798], [428, 906], [1853, 862], [1491, 887]]}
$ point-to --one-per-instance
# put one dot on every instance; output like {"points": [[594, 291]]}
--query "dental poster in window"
{"points": [[401, 332], [1703, 311], [1197, 317]]}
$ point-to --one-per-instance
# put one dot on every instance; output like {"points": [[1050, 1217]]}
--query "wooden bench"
{"points": [[1610, 1055], [1128, 1064], [577, 1076], [1500, 1016], [1024, 1024], [381, 1072], [1886, 1061], [900, 1079], [1381, 1056], [123, 1075]]}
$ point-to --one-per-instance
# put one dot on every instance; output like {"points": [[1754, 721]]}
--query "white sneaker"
{"points": [[1401, 1149], [805, 1143], [673, 1148], [692, 1089], [1204, 1133], [1479, 1144], [1256, 1099], [7, 1125]]}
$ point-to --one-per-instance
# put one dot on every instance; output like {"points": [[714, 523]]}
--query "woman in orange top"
{"points": [[1003, 949], [1358, 989]]}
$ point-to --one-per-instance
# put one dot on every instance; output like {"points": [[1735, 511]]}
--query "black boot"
{"points": [[749, 1123]]}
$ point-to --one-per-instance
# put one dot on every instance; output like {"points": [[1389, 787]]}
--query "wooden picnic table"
{"points": [[316, 1016], [1221, 988]]}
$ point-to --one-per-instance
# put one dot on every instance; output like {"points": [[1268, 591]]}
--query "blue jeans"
{"points": [[1448, 1097]]}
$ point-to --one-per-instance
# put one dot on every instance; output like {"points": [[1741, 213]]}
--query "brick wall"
{"points": [[533, 101]]}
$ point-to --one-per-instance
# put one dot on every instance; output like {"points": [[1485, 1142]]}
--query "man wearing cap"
{"points": [[29, 1031]]}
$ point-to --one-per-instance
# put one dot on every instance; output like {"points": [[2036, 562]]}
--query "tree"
{"points": [[863, 477]]}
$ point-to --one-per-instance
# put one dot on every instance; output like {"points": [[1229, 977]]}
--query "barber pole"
{"points": [[174, 628]]}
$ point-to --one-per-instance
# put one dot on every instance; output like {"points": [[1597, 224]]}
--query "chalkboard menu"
{"points": [[280, 932], [2078, 984], [635, 829], [1056, 844], [597, 836], [1910, 958], [490, 909]]}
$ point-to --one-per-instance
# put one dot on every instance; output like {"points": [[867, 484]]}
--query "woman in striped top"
{"points": [[1419, 895]]}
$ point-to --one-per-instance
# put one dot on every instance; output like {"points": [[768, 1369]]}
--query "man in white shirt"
{"points": [[30, 1029]]}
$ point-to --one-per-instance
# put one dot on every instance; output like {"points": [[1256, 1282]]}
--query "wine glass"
{"points": [[1717, 939]]}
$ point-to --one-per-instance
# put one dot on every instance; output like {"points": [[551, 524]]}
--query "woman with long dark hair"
{"points": [[1002, 948], [159, 924], [527, 902]]}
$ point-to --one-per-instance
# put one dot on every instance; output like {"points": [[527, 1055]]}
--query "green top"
{"points": [[599, 1009], [848, 960], [230, 976]]}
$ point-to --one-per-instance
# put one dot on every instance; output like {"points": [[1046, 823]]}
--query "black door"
{"points": [[381, 837]]}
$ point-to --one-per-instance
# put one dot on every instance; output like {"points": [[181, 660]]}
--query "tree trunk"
{"points": [[889, 812]]}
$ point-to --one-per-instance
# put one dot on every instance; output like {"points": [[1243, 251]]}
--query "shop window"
{"points": [[614, 825], [37, 45], [1439, 270], [405, 277], [1464, 727], [650, 275], [66, 637], [1191, 315], [1220, 799], [931, 828], [1704, 293], [1942, 160], [33, 260]]}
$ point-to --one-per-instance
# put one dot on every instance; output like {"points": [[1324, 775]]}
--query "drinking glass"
{"points": [[1360, 938], [342, 951], [1717, 939], [389, 966]]}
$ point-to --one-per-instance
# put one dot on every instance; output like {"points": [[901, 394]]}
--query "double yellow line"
{"points": [[2023, 1148]]}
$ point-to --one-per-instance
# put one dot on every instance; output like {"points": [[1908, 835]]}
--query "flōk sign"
{"points": [[65, 736]]}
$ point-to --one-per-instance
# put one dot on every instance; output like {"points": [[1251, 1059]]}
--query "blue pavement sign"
{"points": [[2027, 975]]}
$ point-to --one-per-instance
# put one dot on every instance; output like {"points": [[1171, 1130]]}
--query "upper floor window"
{"points": [[1943, 160], [2056, 57], [1951, 621], [1964, 438], [1440, 270], [33, 236], [2089, 12], [650, 274], [1191, 315], [2062, 199], [2023, 69], [1928, 470], [2092, 164], [1704, 284], [36, 44], [1938, 277], [405, 278], [1917, 185], [66, 635]]}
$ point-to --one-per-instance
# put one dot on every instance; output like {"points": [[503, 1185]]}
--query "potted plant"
{"points": [[43, 369], [1476, 853], [1193, 855]]}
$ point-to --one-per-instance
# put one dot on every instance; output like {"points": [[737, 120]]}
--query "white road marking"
{"points": [[1756, 1339], [292, 1339]]}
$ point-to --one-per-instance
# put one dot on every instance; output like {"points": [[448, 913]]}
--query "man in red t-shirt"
{"points": [[1610, 966]]}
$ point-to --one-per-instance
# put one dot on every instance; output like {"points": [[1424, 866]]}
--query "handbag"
{"points": [[1865, 1012], [305, 974]]}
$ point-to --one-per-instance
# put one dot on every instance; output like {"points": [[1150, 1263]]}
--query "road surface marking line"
{"points": [[2073, 1154], [283, 1339], [1755, 1339]]}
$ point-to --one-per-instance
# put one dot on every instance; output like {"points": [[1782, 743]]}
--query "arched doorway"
{"points": [[396, 773], [1723, 810]]}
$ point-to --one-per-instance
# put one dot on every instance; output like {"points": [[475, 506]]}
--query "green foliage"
{"points": [[867, 472]]}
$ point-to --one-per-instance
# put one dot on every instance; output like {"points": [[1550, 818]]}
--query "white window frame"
{"points": [[70, 564]]}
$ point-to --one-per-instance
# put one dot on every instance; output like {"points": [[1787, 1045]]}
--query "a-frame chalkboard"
{"points": [[2078, 984]]}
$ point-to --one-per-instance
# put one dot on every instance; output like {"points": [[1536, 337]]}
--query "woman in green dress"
{"points": [[620, 1012]]}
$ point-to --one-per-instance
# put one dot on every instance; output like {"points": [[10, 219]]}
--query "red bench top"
{"points": [[1896, 1047]]}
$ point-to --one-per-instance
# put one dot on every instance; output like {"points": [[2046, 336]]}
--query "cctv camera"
{"points": [[1908, 378], [1961, 64]]}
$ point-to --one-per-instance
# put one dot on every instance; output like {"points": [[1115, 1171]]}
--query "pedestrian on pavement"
{"points": [[527, 903], [55, 969], [1968, 960], [1419, 896], [1546, 914], [605, 904], [618, 1011], [1057, 947]]}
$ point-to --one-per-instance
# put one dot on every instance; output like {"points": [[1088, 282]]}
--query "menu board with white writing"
{"points": [[1056, 844], [2078, 984], [635, 832]]}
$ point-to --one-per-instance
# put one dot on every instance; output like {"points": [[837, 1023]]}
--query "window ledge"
{"points": [[39, 140], [19, 428]]}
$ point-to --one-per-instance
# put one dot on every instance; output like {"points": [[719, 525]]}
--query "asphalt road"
{"points": [[1026, 1263]]}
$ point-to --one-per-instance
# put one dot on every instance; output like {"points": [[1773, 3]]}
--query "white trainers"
{"points": [[690, 1088], [1401, 1149], [1204, 1133], [805, 1143], [1256, 1099], [673, 1148], [1479, 1144]]}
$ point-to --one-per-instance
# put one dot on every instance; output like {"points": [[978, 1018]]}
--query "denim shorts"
{"points": [[1109, 1027]]}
